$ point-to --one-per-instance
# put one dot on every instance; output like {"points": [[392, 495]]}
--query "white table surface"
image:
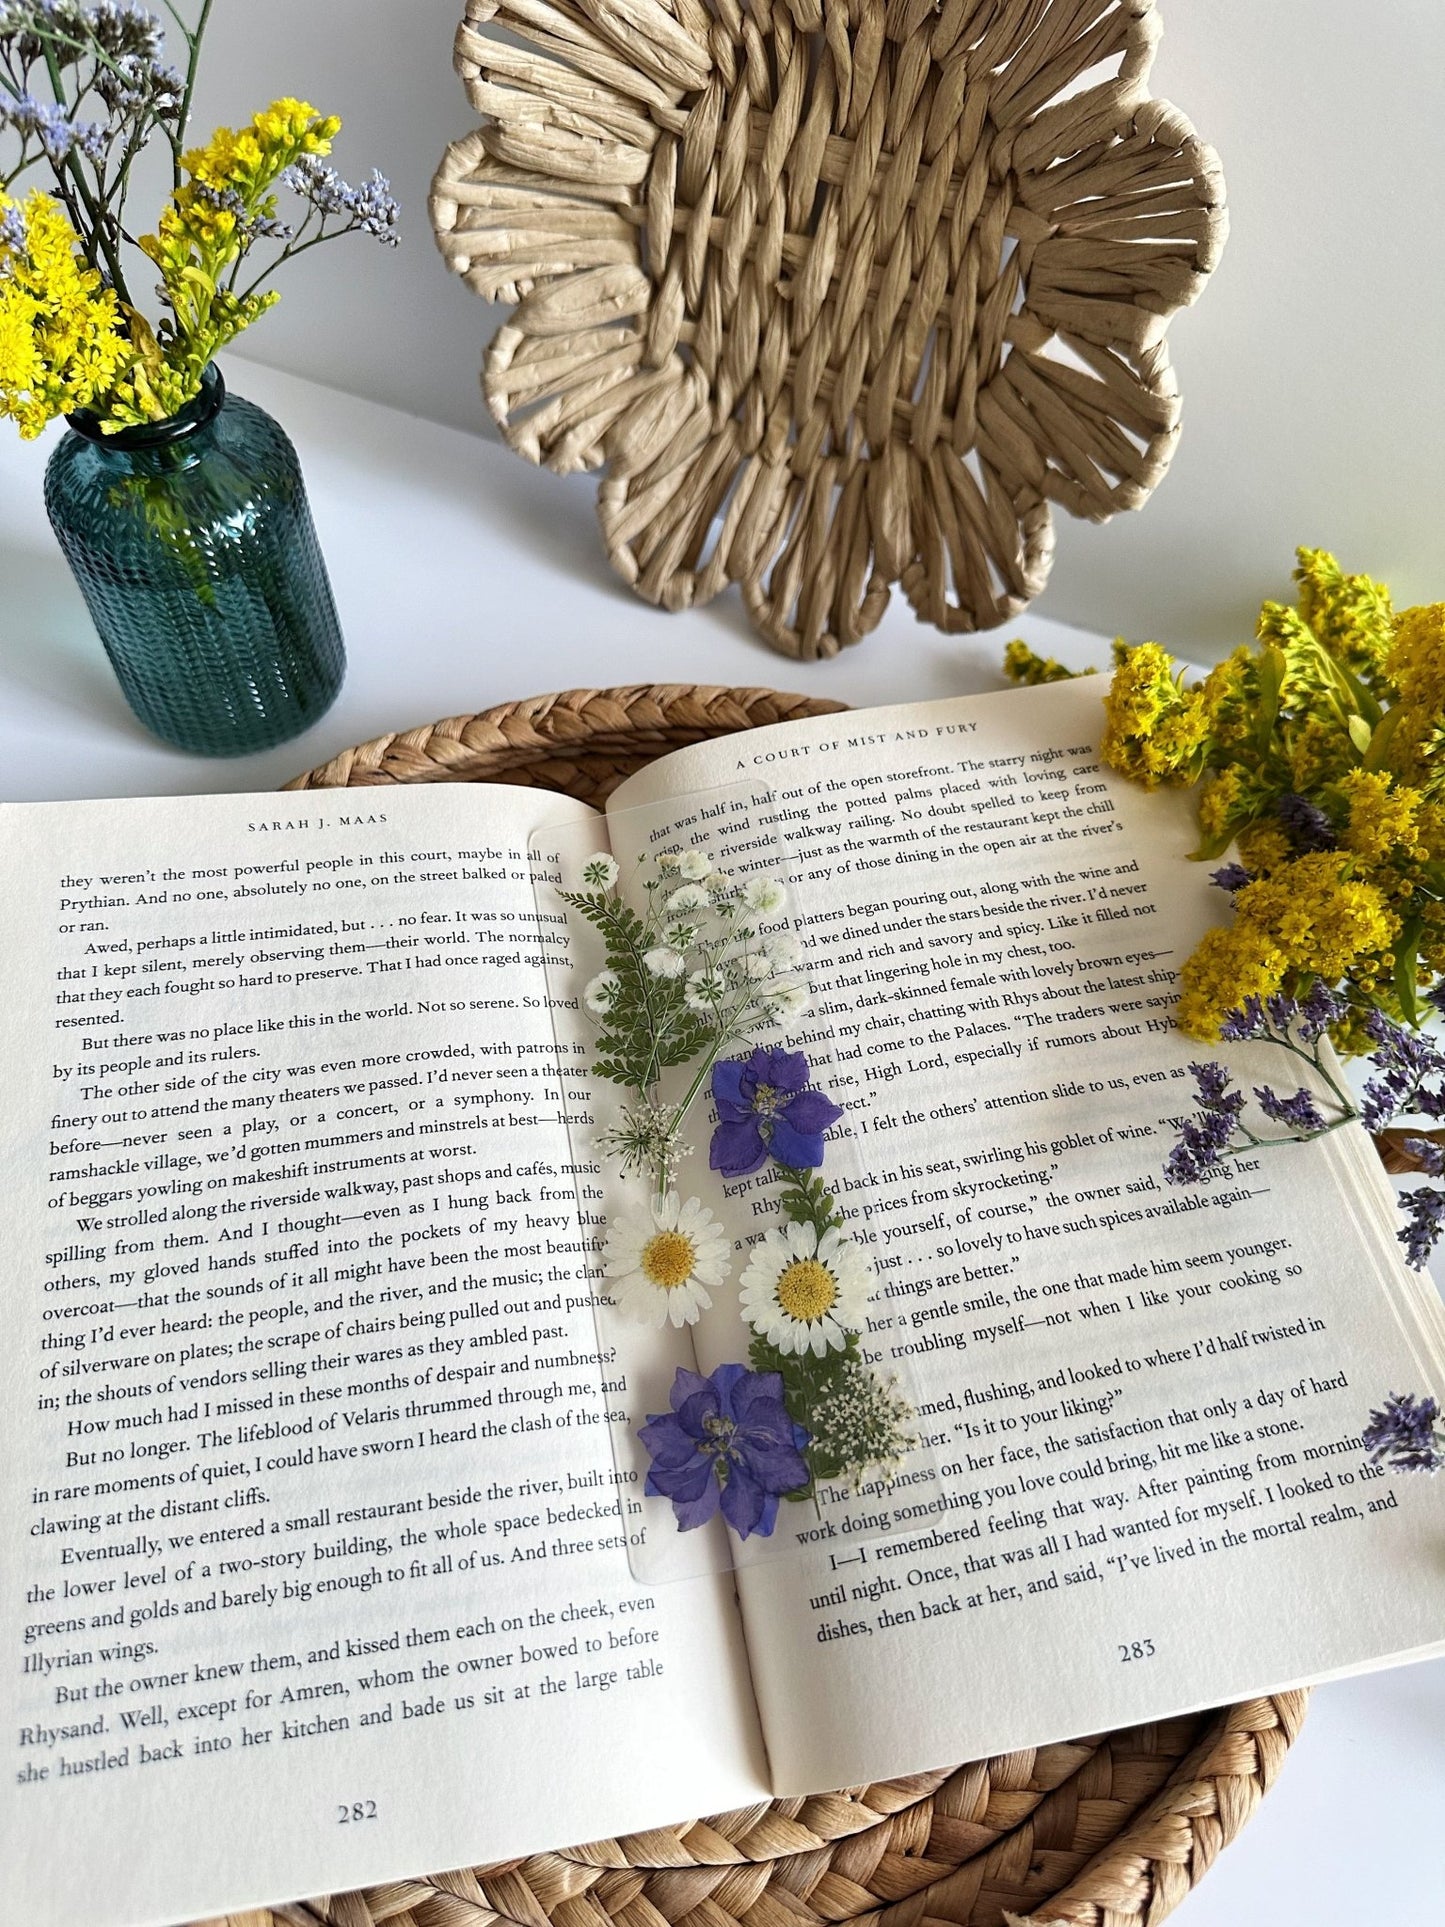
{"points": [[466, 578]]}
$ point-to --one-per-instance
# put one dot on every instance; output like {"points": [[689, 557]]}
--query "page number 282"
{"points": [[355, 1810], [1135, 1649]]}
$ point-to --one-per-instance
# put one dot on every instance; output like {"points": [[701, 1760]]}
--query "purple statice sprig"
{"points": [[1409, 1079], [728, 1445], [1404, 1434], [1232, 877], [56, 134], [368, 209], [1218, 1131]]}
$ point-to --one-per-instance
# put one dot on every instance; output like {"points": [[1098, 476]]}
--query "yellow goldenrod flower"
{"points": [[1314, 911], [1383, 822], [205, 229], [61, 345], [1351, 614], [1026, 670], [1416, 664], [1227, 968], [1153, 730]]}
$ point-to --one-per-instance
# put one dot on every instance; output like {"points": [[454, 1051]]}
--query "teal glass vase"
{"points": [[193, 544]]}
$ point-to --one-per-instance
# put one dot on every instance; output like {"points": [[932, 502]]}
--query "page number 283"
{"points": [[1135, 1649], [353, 1811]]}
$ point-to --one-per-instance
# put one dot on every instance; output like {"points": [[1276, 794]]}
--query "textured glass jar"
{"points": [[193, 543]]}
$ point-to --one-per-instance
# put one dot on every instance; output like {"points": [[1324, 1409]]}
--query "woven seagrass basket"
{"points": [[1109, 1830]]}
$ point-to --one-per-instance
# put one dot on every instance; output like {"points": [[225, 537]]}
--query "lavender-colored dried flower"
{"points": [[1300, 1112], [12, 232], [1402, 1434], [1306, 825], [48, 122], [1431, 1155], [370, 207], [1319, 1009], [1212, 1082], [1232, 877], [1424, 1221], [1243, 1025], [1202, 1139]]}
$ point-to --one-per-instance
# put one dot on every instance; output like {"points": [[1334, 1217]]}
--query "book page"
{"points": [[1146, 1401], [314, 1553]]}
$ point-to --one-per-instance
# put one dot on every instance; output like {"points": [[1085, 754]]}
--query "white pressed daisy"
{"points": [[665, 962], [765, 895], [804, 1293], [693, 865], [691, 896], [600, 872], [599, 994], [660, 1258]]}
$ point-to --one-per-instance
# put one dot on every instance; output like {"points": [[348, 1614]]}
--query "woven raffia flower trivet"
{"points": [[1108, 1831], [840, 293]]}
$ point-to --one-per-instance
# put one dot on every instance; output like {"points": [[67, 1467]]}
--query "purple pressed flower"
{"points": [[1202, 1139], [12, 230], [1404, 1061], [1424, 1221], [1305, 824], [728, 1444], [766, 1108], [1213, 1084], [1232, 877], [1403, 1434]]}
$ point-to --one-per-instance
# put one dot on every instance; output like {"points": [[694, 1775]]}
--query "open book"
{"points": [[316, 1547]]}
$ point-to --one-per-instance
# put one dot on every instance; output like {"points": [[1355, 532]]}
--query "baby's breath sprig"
{"points": [[693, 973]]}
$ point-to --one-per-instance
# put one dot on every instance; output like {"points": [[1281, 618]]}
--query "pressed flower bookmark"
{"points": [[698, 978]]}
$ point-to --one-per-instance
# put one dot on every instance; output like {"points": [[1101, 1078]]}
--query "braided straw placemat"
{"points": [[840, 293], [1106, 1831]]}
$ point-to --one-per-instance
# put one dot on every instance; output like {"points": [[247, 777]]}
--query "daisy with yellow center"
{"points": [[660, 1260], [803, 1292]]}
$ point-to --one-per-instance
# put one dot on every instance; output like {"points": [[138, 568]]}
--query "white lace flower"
{"points": [[600, 993], [681, 936], [788, 1002], [668, 861], [693, 865], [661, 1258], [756, 966], [705, 990], [663, 962], [804, 1293], [691, 896], [766, 895], [600, 872]]}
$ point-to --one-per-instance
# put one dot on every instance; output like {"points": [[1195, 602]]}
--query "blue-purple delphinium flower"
{"points": [[1306, 825], [370, 207], [728, 1444], [1202, 1139], [1403, 1434], [766, 1108], [1232, 877]]}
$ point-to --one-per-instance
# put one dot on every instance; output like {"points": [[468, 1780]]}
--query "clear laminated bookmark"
{"points": [[723, 1170]]}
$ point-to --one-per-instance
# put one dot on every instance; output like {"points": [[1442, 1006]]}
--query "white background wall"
{"points": [[1312, 367]]}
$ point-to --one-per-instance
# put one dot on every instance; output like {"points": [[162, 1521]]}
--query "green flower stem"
{"points": [[183, 121], [99, 236]]}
